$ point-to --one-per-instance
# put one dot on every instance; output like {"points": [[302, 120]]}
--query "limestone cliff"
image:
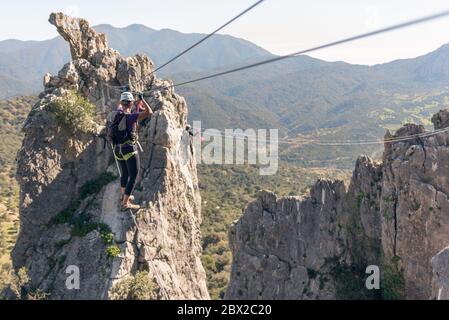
{"points": [[69, 207], [307, 248], [394, 215]]}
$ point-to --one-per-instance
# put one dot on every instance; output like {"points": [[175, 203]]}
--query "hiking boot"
{"points": [[131, 198], [130, 206]]}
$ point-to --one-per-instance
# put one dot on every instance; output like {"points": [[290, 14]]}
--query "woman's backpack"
{"points": [[117, 131]]}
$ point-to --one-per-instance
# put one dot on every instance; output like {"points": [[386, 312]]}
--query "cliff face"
{"points": [[279, 244], [414, 204], [307, 248], [69, 200], [394, 215]]}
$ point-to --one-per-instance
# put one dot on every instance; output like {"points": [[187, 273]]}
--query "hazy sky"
{"points": [[280, 26]]}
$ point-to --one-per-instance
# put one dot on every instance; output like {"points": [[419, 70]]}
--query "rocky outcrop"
{"points": [[394, 215], [281, 246], [308, 248], [440, 280], [414, 204], [69, 199]]}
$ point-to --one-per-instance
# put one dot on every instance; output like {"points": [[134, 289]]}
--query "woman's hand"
{"points": [[147, 112]]}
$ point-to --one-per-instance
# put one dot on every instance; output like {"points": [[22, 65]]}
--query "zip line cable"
{"points": [[331, 44], [324, 46], [299, 141], [366, 142], [209, 35]]}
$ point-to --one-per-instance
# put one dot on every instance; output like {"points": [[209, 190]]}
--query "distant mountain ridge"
{"points": [[28, 61]]}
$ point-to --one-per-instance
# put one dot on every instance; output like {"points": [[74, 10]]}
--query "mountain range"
{"points": [[25, 62], [301, 96]]}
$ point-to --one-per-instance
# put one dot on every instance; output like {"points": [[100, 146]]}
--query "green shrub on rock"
{"points": [[138, 287], [74, 111], [112, 251]]}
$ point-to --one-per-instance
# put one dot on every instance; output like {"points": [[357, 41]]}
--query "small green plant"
{"points": [[107, 238], [73, 110], [112, 251], [94, 186], [65, 215], [106, 233], [22, 277], [323, 279], [312, 274], [83, 225], [38, 295]]}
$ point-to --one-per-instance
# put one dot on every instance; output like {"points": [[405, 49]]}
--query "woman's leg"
{"points": [[124, 177], [133, 166]]}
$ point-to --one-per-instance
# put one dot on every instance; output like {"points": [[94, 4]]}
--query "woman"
{"points": [[126, 153]]}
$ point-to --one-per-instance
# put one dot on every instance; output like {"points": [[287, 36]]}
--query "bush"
{"points": [[139, 287], [38, 295], [74, 111], [94, 186], [107, 238], [83, 225], [112, 251], [19, 283], [19, 286], [393, 280]]}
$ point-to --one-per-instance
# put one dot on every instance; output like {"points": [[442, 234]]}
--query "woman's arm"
{"points": [[146, 112]]}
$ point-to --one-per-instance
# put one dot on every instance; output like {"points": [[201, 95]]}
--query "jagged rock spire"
{"points": [[62, 225], [83, 40]]}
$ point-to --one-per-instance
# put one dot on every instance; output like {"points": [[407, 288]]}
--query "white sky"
{"points": [[280, 26]]}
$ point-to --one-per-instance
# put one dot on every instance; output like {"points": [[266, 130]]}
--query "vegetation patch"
{"points": [[112, 251], [19, 286], [83, 223], [349, 283], [393, 283], [106, 234], [74, 111], [312, 274], [138, 287], [13, 113]]}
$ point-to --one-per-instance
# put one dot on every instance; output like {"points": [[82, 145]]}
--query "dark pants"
{"points": [[129, 170]]}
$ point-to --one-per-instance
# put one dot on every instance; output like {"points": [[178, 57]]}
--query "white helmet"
{"points": [[127, 96]]}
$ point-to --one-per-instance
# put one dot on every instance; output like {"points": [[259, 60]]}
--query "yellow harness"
{"points": [[124, 157]]}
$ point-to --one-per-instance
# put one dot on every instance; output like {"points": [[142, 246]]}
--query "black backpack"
{"points": [[116, 129]]}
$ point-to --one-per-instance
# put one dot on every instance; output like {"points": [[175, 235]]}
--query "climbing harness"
{"points": [[116, 161], [122, 156]]}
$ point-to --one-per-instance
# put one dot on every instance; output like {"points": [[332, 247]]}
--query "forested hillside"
{"points": [[13, 113]]}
